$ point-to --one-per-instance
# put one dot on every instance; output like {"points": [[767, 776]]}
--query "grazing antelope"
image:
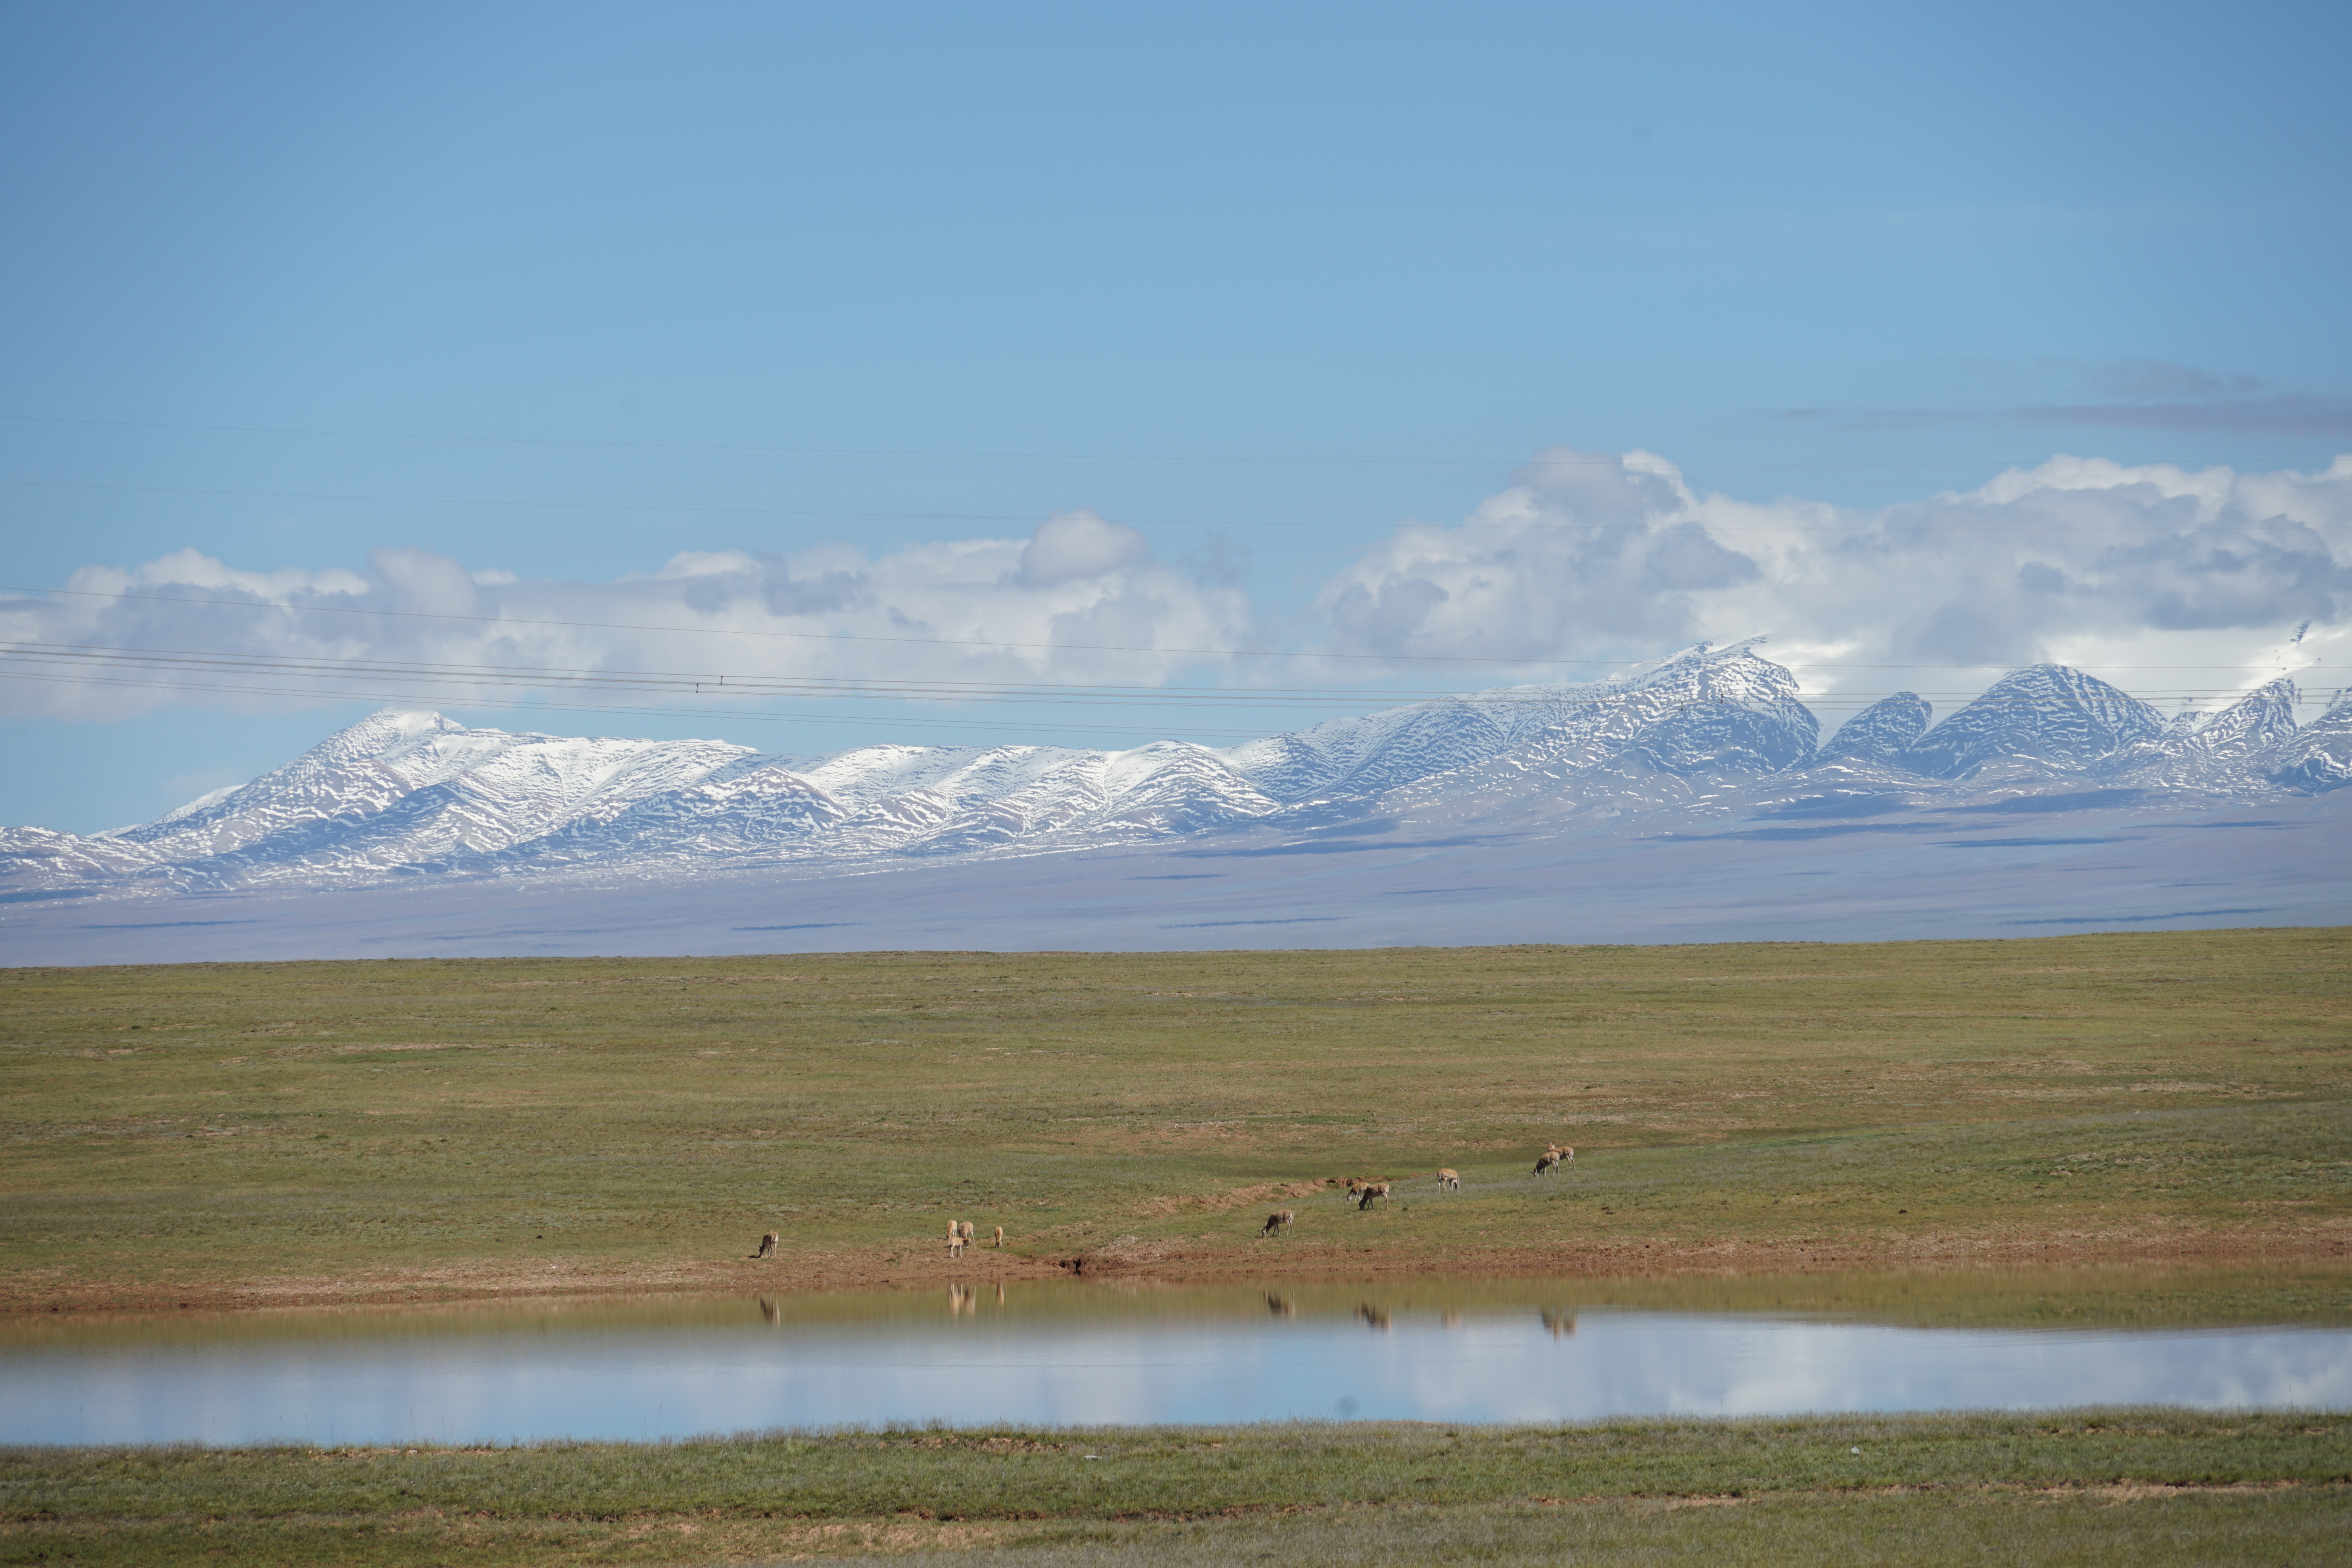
{"points": [[1545, 1162], [766, 1245], [1278, 1220], [1565, 1155], [1000, 1235], [955, 1238], [1450, 1180], [963, 1228], [1371, 1190]]}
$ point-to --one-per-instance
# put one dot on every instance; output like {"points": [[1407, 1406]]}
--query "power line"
{"points": [[860, 686], [924, 455], [1030, 519], [502, 686], [1489, 660], [637, 709], [1228, 733]]}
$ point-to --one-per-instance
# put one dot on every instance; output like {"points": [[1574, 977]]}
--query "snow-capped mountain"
{"points": [[1709, 733]]}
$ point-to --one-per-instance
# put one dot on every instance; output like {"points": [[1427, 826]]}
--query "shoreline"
{"points": [[486, 1281]]}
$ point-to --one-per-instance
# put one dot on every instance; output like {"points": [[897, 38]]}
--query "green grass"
{"points": [[606, 1119], [2083, 1486], [423, 1128], [1995, 1529]]}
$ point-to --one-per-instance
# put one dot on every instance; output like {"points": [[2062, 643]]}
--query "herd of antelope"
{"points": [[960, 1234], [1357, 1190], [1364, 1193]]}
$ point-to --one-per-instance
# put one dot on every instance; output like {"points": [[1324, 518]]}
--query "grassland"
{"points": [[1747, 1119], [2112, 1487], [231, 1134]]}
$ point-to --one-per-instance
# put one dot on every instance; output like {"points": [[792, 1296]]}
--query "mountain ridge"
{"points": [[1705, 733]]}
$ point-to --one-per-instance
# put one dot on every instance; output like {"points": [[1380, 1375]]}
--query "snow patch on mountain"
{"points": [[2047, 717], [1708, 734]]}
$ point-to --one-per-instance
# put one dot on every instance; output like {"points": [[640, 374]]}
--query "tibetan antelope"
{"points": [[1278, 1220], [1545, 1161], [1450, 1180], [766, 1245], [1000, 1235], [1371, 1190], [955, 1238]]}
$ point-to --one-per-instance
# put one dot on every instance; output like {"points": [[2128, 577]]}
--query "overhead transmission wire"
{"points": [[930, 455], [527, 688], [1939, 529], [1026, 728], [698, 682], [635, 709], [1488, 660]]}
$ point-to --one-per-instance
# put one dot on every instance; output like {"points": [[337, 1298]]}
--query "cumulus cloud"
{"points": [[2162, 579], [1588, 555], [1076, 546], [1080, 599]]}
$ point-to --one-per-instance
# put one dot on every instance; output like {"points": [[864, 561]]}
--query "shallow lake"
{"points": [[1079, 1353]]}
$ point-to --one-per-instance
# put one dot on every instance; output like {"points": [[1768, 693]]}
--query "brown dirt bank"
{"points": [[2323, 1245]]}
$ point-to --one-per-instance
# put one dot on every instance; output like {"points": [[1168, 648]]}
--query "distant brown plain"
{"points": [[289, 1134]]}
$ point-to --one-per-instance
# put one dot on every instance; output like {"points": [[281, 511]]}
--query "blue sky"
{"points": [[327, 309]]}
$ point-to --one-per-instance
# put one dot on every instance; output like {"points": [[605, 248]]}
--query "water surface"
{"points": [[1078, 1353]]}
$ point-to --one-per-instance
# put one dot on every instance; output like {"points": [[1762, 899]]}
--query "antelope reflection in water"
{"points": [[1281, 1306], [768, 1310], [1561, 1324], [961, 1300], [1374, 1317]]}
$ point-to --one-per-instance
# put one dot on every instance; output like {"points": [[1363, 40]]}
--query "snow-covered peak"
{"points": [[2046, 713], [1882, 732], [2316, 757], [2264, 716], [402, 793]]}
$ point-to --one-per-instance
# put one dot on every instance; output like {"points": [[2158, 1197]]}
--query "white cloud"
{"points": [[2168, 582], [1073, 546], [2135, 569], [1080, 600]]}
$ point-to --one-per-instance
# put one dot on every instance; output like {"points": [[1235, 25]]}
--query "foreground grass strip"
{"points": [[2112, 1486], [1996, 1530], [1112, 1473], [2239, 1528]]}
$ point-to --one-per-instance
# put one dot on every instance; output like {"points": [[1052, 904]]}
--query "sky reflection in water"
{"points": [[1042, 1357]]}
